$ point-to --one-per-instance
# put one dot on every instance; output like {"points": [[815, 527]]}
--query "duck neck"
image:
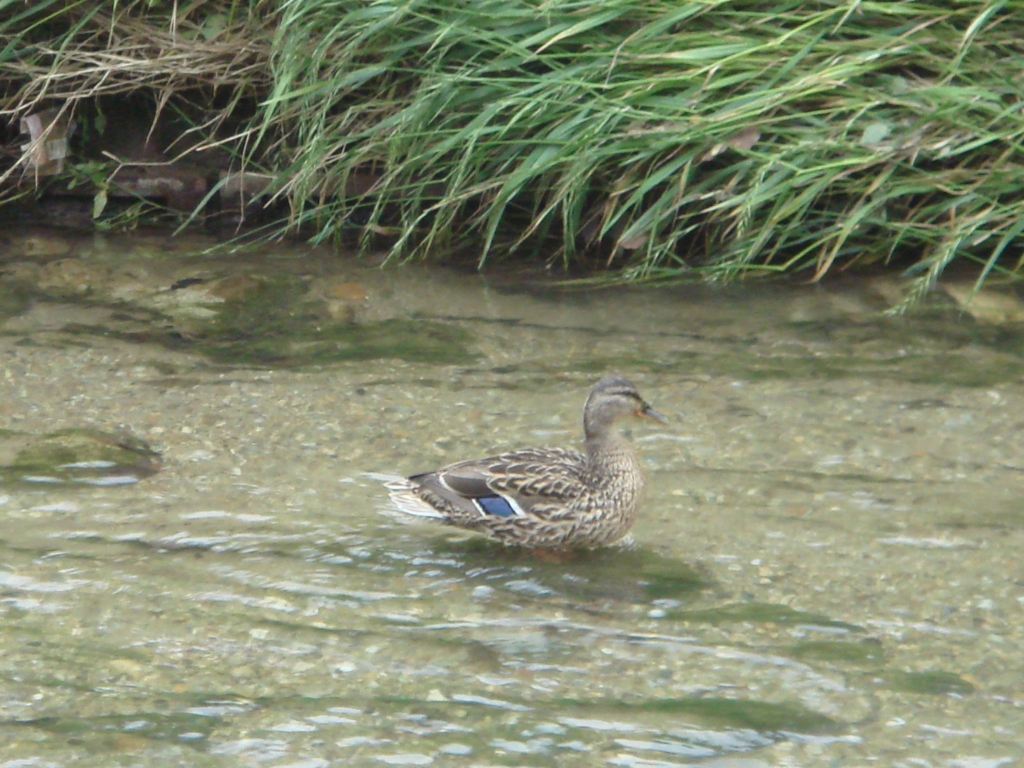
{"points": [[601, 439]]}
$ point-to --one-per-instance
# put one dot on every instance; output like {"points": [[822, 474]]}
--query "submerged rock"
{"points": [[985, 304], [86, 456], [267, 317]]}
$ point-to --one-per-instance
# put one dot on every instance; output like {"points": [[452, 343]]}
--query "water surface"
{"points": [[827, 570]]}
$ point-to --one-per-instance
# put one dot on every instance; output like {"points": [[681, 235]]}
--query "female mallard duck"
{"points": [[544, 497]]}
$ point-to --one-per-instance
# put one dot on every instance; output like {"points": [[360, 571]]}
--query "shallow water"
{"points": [[826, 571]]}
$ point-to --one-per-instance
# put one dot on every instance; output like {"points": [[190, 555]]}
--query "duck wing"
{"points": [[537, 482]]}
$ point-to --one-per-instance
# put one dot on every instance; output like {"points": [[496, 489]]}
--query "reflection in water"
{"points": [[826, 571]]}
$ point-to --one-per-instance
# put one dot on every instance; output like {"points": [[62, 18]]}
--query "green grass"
{"points": [[662, 139], [882, 129]]}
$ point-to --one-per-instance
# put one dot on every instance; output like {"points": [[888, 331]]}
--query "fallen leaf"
{"points": [[743, 139], [634, 242], [746, 138], [875, 133]]}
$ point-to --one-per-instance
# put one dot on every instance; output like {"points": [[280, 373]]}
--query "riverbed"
{"points": [[199, 565]]}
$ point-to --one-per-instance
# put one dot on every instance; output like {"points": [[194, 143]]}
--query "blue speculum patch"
{"points": [[495, 505]]}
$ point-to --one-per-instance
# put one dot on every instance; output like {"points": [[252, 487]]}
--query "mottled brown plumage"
{"points": [[544, 497]]}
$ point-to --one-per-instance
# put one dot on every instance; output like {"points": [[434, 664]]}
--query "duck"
{"points": [[544, 498]]}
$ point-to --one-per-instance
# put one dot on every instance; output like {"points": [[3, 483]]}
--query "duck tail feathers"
{"points": [[405, 499]]}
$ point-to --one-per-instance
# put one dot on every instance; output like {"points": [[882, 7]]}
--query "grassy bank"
{"points": [[653, 137]]}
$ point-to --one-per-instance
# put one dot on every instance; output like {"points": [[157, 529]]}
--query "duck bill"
{"points": [[649, 413]]}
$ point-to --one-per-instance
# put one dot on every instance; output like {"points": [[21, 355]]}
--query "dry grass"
{"points": [[86, 51]]}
